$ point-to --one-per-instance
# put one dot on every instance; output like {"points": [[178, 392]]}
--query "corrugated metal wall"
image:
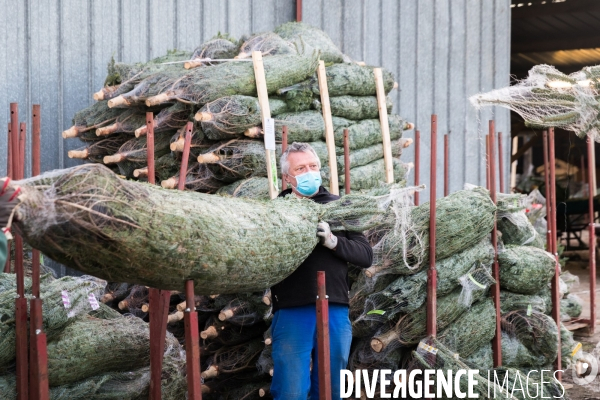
{"points": [[54, 52], [442, 52]]}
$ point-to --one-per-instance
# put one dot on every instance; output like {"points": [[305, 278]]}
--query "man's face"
{"points": [[300, 162]]}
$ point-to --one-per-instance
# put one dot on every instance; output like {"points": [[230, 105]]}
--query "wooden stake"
{"points": [[265, 113], [385, 126], [432, 272], [592, 240], [347, 186], [334, 187], [513, 165], [284, 145]]}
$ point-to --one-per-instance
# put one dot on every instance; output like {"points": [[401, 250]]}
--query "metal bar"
{"points": [[432, 272], [487, 161], [35, 170], [298, 10], [18, 147], [549, 231], [150, 145], [14, 140], [500, 163], [346, 162], [21, 346], [592, 241], [284, 145], [417, 163], [192, 344], [9, 173], [446, 171], [192, 334], [556, 278], [22, 140], [42, 362], [496, 342], [324, 357]]}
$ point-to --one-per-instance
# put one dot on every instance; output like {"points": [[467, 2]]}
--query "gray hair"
{"points": [[296, 148]]}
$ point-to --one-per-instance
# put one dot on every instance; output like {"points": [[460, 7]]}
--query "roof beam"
{"points": [[522, 45], [539, 10]]}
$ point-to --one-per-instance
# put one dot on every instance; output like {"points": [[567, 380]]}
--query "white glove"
{"points": [[327, 238]]}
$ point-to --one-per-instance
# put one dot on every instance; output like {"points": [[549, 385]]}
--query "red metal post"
{"points": [[556, 278], [38, 352], [22, 141], [192, 334], [324, 357], [500, 162], [192, 344], [9, 173], [446, 166], [42, 371], [592, 241], [284, 145], [158, 299], [496, 342], [417, 163], [298, 10], [432, 272], [346, 162], [17, 141], [549, 231], [14, 139], [487, 160]]}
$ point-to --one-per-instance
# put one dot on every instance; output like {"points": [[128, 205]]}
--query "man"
{"points": [[8, 201], [294, 326]]}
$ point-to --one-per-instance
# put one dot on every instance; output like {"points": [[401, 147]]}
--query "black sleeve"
{"points": [[354, 248]]}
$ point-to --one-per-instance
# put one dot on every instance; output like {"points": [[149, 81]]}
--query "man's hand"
{"points": [[327, 238], [8, 201]]}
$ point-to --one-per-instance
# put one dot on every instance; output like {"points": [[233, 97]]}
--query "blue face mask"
{"points": [[308, 183]]}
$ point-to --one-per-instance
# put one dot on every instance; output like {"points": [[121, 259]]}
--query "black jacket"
{"points": [[300, 288]]}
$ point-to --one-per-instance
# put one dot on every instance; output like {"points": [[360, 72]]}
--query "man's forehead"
{"points": [[301, 157]]}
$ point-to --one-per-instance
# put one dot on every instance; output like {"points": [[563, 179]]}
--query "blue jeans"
{"points": [[294, 333]]}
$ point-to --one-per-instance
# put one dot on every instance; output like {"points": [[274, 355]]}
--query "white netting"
{"points": [[550, 98]]}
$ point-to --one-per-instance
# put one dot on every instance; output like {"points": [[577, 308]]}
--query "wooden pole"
{"points": [[592, 240], [556, 278], [500, 163], [385, 126], [334, 186], [417, 163], [346, 162], [497, 341], [265, 114], [432, 272], [284, 145], [446, 167], [513, 165], [324, 357]]}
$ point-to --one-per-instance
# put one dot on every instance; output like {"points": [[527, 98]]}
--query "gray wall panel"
{"points": [[54, 52]]}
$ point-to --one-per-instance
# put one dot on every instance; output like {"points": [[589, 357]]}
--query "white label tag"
{"points": [[93, 301], [269, 130], [65, 299]]}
